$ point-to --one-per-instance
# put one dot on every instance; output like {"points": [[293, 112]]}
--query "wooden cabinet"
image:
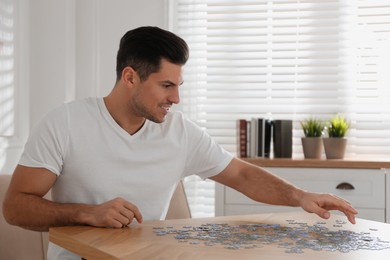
{"points": [[364, 188]]}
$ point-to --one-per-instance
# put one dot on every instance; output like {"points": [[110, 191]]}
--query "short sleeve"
{"points": [[46, 146], [206, 158]]}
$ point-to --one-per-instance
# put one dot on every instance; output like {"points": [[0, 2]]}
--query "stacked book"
{"points": [[255, 136]]}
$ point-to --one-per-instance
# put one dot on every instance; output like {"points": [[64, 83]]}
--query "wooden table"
{"points": [[139, 241]]}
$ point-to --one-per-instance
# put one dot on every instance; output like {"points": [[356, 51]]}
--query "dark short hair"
{"points": [[144, 47]]}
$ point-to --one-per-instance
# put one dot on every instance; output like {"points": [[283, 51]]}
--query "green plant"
{"points": [[312, 127], [337, 126]]}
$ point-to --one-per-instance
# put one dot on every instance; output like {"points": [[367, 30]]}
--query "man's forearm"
{"points": [[38, 214], [262, 186], [259, 184]]}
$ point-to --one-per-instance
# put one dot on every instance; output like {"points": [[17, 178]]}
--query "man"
{"points": [[111, 160]]}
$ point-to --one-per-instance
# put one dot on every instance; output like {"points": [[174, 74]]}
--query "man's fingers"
{"points": [[351, 218], [129, 216], [138, 217], [128, 212], [325, 214], [115, 213], [135, 212], [128, 223], [322, 203], [350, 213]]}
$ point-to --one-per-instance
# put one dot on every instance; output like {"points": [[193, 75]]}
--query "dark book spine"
{"points": [[260, 137], [242, 138], [248, 138], [267, 138], [282, 138]]}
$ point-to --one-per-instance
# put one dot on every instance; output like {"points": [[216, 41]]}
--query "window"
{"points": [[288, 60], [6, 68]]}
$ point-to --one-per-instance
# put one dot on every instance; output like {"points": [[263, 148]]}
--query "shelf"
{"points": [[319, 163]]}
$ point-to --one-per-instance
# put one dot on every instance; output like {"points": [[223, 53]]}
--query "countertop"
{"points": [[320, 163]]}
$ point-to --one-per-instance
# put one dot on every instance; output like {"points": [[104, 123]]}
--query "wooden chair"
{"points": [[179, 207]]}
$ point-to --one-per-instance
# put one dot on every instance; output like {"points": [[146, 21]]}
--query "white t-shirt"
{"points": [[96, 160]]}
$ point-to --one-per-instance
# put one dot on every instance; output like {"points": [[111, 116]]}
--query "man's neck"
{"points": [[119, 112]]}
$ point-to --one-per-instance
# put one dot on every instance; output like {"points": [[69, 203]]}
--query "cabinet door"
{"points": [[364, 189]]}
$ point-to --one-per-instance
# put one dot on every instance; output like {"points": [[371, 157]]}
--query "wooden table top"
{"points": [[140, 241]]}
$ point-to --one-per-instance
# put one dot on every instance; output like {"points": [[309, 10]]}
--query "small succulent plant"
{"points": [[312, 127], [337, 126]]}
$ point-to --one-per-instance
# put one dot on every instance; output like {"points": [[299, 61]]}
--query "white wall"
{"points": [[101, 24], [66, 49], [74, 45]]}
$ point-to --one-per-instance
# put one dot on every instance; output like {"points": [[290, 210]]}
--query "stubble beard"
{"points": [[142, 111]]}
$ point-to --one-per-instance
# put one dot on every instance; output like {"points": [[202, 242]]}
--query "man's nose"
{"points": [[175, 96]]}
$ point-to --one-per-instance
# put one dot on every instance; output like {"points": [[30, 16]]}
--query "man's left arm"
{"points": [[262, 186]]}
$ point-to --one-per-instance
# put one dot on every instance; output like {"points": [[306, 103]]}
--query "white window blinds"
{"points": [[6, 68], [288, 60]]}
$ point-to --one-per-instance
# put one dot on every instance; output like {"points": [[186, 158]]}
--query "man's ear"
{"points": [[129, 76]]}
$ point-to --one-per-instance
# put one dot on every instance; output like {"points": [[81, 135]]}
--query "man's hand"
{"points": [[320, 204], [116, 213]]}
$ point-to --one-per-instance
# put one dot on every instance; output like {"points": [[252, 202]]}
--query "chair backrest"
{"points": [[15, 242], [179, 207]]}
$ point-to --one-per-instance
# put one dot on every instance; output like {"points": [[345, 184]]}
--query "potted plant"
{"points": [[312, 142], [335, 144]]}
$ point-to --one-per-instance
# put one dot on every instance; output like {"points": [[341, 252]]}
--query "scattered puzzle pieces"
{"points": [[294, 237]]}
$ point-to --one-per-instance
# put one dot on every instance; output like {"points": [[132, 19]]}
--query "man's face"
{"points": [[153, 97]]}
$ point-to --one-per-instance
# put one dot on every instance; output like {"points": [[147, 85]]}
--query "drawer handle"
{"points": [[345, 186]]}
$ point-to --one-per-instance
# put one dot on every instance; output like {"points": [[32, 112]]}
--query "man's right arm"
{"points": [[25, 206]]}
